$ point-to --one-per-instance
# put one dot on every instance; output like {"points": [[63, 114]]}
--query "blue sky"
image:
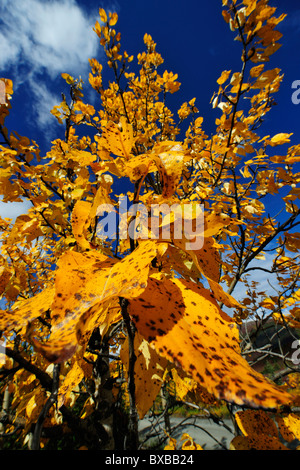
{"points": [[40, 39]]}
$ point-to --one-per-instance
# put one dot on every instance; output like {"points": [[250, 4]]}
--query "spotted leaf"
{"points": [[27, 310], [207, 261], [5, 276], [183, 322], [118, 138], [252, 422], [149, 370], [84, 282], [173, 162], [72, 379], [289, 426], [259, 432], [259, 442]]}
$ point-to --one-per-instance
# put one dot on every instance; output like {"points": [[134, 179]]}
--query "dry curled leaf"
{"points": [[259, 432]]}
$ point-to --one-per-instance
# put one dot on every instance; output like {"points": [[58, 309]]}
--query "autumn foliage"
{"points": [[93, 328]]}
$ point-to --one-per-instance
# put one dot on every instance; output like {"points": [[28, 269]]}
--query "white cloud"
{"points": [[46, 101], [12, 210], [40, 39], [55, 36]]}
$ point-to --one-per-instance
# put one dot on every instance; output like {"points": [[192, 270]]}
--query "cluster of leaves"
{"points": [[258, 431], [85, 315]]}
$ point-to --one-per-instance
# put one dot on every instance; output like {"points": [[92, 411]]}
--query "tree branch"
{"points": [[132, 440], [35, 444]]}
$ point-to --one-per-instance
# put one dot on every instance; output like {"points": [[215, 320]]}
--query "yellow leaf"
{"points": [[149, 370], [266, 78], [171, 444], [185, 325], [34, 406], [183, 385], [280, 139], [206, 259], [140, 165], [118, 138], [101, 197], [224, 77], [223, 296], [167, 158], [85, 281], [82, 157], [8, 86], [5, 276], [77, 193], [289, 426], [113, 19], [70, 382], [25, 226], [80, 223], [189, 443], [97, 30], [70, 80], [256, 71], [27, 310], [103, 15], [173, 162], [259, 441]]}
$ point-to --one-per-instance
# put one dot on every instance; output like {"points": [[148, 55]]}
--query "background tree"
{"points": [[94, 327]]}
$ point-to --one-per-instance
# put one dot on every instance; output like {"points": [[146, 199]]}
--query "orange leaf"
{"points": [[289, 426], [103, 15], [260, 432], [80, 223], [173, 162], [85, 281], [167, 157], [70, 382], [113, 19], [253, 422], [224, 77], [149, 370], [259, 442], [118, 138], [5, 276], [185, 325], [27, 310]]}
